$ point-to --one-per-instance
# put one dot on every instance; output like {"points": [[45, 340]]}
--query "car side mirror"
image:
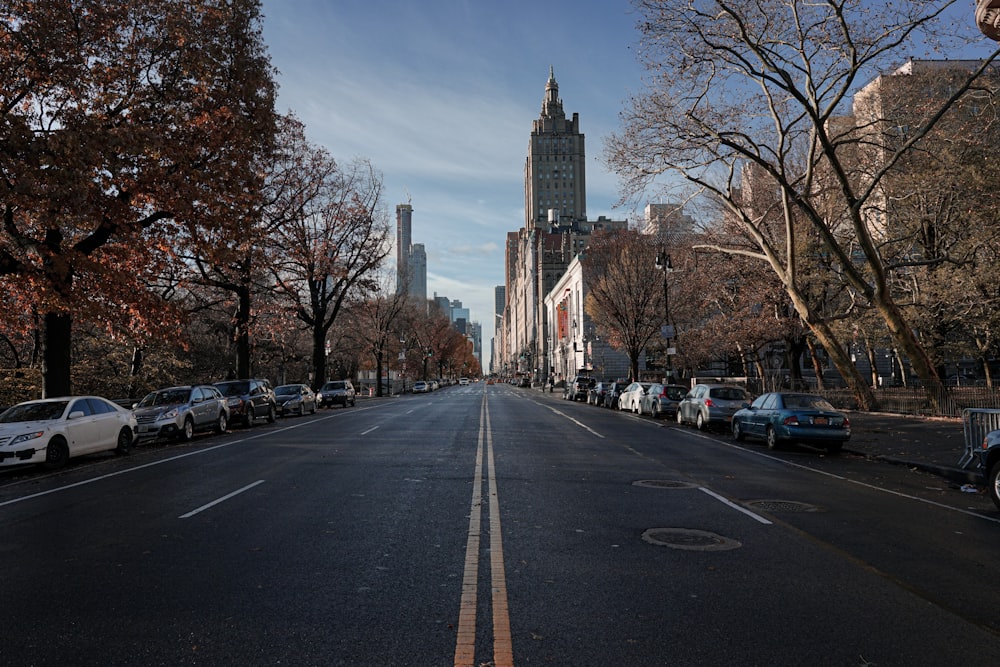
{"points": [[76, 414]]}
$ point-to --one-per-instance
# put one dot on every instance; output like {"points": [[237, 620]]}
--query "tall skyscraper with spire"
{"points": [[555, 231], [555, 169]]}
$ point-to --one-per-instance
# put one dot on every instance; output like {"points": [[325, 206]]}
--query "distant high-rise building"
{"points": [[418, 272], [404, 216], [411, 258]]}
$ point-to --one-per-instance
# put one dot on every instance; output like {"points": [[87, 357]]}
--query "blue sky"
{"points": [[440, 95]]}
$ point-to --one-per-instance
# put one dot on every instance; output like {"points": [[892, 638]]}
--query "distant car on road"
{"points": [[337, 392], [708, 404], [786, 417], [180, 412], [420, 387], [53, 430], [295, 399], [463, 381]]}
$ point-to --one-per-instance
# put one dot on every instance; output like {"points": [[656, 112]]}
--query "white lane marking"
{"points": [[866, 485], [566, 416], [219, 500], [726, 501], [369, 430]]}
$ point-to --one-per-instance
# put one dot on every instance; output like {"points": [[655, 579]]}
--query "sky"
{"points": [[440, 96]]}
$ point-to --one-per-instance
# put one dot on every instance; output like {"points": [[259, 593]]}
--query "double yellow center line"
{"points": [[465, 647]]}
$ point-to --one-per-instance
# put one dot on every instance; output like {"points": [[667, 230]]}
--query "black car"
{"points": [[598, 393], [337, 392], [249, 400], [579, 388]]}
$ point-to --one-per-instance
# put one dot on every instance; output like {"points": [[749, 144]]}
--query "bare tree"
{"points": [[334, 245], [765, 83], [625, 296]]}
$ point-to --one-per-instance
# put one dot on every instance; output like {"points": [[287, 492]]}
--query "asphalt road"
{"points": [[489, 525]]}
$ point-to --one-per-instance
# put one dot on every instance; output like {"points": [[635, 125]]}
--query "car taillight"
{"points": [[791, 421], [847, 423], [708, 403]]}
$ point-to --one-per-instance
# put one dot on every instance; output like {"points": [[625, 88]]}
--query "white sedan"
{"points": [[51, 431], [631, 397]]}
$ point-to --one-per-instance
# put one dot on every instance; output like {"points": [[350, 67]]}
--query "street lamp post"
{"points": [[663, 263]]}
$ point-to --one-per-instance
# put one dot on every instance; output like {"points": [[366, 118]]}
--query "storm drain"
{"points": [[782, 506], [664, 484], [689, 539]]}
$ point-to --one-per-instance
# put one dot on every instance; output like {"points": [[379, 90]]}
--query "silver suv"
{"points": [[708, 404], [180, 412], [337, 392]]}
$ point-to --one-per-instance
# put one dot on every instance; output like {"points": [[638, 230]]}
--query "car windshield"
{"points": [[330, 386], [165, 397], [727, 394], [29, 412], [234, 388], [807, 401], [286, 390]]}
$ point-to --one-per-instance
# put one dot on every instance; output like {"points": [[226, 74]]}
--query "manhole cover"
{"points": [[782, 506], [664, 484], [689, 539]]}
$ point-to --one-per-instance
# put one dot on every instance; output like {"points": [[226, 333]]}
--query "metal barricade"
{"points": [[977, 422]]}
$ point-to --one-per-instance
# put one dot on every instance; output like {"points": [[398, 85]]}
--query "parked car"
{"points": [[420, 387], [53, 430], [463, 381], [249, 400], [579, 387], [785, 417], [337, 392], [989, 463], [711, 404], [295, 399], [631, 398], [661, 400], [614, 391], [180, 412], [598, 392]]}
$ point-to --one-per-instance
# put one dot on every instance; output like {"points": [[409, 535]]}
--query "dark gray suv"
{"points": [[337, 392], [249, 400]]}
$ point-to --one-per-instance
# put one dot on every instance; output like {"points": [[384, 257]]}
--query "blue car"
{"points": [[780, 418]]}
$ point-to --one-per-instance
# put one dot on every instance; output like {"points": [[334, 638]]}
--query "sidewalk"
{"points": [[932, 444]]}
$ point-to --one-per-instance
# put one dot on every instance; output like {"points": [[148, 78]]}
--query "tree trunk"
{"points": [[378, 373], [242, 333], [57, 336], [318, 357], [817, 366]]}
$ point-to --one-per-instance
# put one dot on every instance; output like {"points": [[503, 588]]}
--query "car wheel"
{"points": [[251, 416], [993, 483], [272, 414], [124, 441], [188, 431], [699, 421], [738, 433], [312, 410], [221, 423], [353, 402], [654, 411], [680, 417], [56, 454], [772, 438]]}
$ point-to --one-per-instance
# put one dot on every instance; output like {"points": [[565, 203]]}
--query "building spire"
{"points": [[552, 105]]}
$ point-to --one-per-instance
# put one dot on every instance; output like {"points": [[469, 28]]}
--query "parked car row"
{"points": [[51, 431], [777, 418]]}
